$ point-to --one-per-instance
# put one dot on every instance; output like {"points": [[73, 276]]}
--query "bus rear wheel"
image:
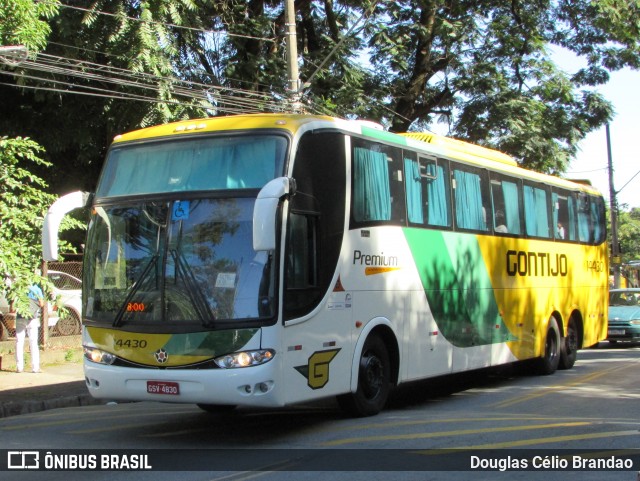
{"points": [[569, 352], [373, 380], [548, 363]]}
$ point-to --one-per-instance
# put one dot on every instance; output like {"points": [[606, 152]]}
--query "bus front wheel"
{"points": [[373, 380], [217, 408], [548, 363]]}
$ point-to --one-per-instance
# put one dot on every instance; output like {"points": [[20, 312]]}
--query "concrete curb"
{"points": [[61, 385], [10, 408]]}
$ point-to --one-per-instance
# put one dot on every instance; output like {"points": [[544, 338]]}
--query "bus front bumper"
{"points": [[253, 386]]}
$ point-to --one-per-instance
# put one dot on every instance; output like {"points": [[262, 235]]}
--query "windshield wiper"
{"points": [[198, 300], [134, 289]]}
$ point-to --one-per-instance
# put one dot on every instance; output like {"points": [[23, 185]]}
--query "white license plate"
{"points": [[616, 332], [163, 387]]}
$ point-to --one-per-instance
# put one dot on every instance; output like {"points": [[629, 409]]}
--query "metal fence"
{"points": [[69, 288], [73, 268], [68, 321]]}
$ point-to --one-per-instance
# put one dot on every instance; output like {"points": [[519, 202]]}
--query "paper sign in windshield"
{"points": [[226, 280]]}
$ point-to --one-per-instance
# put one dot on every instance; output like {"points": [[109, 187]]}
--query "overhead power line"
{"points": [[79, 77], [587, 171], [108, 81], [200, 72]]}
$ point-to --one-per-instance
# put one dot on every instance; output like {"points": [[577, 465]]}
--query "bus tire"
{"points": [[217, 408], [374, 373], [548, 363], [569, 352]]}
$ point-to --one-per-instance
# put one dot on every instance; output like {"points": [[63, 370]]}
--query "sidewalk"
{"points": [[61, 384]]}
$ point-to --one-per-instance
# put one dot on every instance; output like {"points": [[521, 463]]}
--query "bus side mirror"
{"points": [[265, 212], [52, 220]]}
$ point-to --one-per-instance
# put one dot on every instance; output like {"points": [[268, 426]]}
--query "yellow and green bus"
{"points": [[268, 259]]}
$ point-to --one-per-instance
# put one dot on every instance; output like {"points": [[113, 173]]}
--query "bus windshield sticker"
{"points": [[180, 210], [226, 280]]}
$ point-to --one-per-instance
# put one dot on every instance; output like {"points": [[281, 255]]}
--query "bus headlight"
{"points": [[245, 358], [98, 356]]}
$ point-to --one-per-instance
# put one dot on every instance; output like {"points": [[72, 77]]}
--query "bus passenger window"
{"points": [[536, 211], [597, 219], [564, 216], [427, 190], [584, 216], [413, 189], [435, 175], [378, 186], [505, 196], [591, 214], [470, 200], [371, 191]]}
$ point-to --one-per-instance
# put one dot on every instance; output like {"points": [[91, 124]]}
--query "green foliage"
{"points": [[629, 234], [484, 68], [21, 22], [23, 204]]}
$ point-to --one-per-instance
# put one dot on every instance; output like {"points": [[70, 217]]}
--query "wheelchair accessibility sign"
{"points": [[180, 210]]}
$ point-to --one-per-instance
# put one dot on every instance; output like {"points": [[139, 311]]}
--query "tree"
{"points": [[483, 67], [23, 196], [629, 234], [23, 203], [22, 22], [133, 45]]}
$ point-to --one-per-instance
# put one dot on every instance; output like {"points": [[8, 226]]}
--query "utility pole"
{"points": [[292, 55], [615, 251]]}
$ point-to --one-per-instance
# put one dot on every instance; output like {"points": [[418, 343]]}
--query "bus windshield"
{"points": [[170, 239], [194, 164], [185, 262]]}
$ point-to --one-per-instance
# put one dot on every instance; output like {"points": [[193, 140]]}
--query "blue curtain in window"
{"points": [[469, 212], [236, 166], [372, 196], [437, 196], [583, 220], [535, 212], [192, 165], [252, 164], [511, 206], [583, 226], [414, 191]]}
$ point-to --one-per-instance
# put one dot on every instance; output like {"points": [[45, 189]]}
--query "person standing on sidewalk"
{"points": [[29, 326]]}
